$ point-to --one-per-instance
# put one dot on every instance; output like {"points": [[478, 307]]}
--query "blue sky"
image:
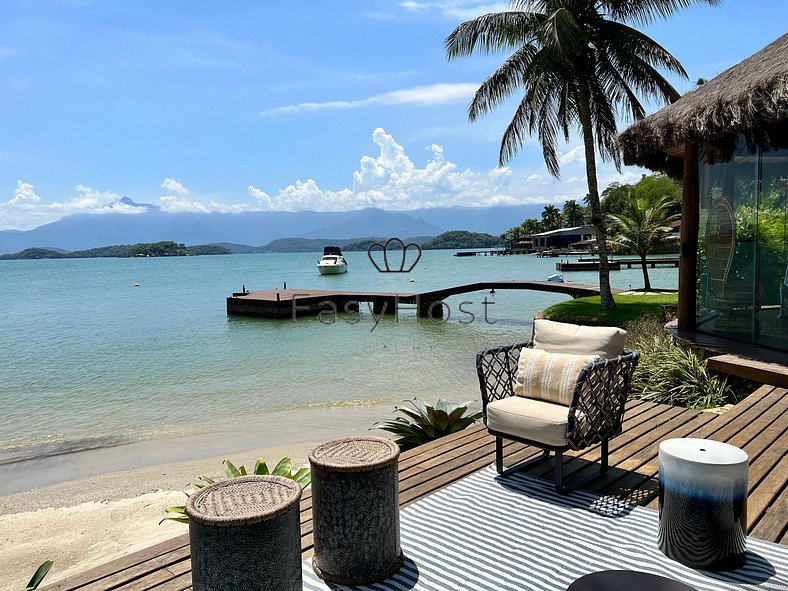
{"points": [[207, 106]]}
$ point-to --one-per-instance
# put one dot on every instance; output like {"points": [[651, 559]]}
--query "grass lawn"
{"points": [[628, 308]]}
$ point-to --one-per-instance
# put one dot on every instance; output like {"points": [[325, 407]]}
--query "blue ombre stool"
{"points": [[703, 503]]}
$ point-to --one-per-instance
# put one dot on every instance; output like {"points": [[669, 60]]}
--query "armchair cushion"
{"points": [[550, 377], [525, 418], [560, 337]]}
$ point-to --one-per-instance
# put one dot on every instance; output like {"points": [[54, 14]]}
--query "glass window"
{"points": [[743, 244]]}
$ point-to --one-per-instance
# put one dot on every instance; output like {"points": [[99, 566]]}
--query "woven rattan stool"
{"points": [[355, 510], [245, 533]]}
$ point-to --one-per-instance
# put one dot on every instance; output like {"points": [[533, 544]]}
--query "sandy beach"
{"points": [[93, 519]]}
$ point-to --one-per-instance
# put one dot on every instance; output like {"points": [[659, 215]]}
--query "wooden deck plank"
{"points": [[774, 523], [750, 369], [757, 423]]}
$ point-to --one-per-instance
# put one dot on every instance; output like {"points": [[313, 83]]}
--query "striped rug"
{"points": [[490, 534]]}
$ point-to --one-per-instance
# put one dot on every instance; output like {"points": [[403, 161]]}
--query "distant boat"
{"points": [[556, 278], [332, 261]]}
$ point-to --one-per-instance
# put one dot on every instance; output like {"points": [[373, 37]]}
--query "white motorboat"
{"points": [[332, 261], [556, 278]]}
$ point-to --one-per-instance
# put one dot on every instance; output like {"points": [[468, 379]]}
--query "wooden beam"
{"points": [[688, 256]]}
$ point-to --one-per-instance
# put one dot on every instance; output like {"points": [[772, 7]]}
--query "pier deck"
{"points": [[759, 425], [287, 303], [589, 264]]}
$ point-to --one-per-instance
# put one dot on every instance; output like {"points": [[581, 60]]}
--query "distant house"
{"points": [[563, 237], [728, 141]]}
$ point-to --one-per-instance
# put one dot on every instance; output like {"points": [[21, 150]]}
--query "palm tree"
{"points": [[531, 226], [643, 228], [578, 64], [551, 217], [573, 214]]}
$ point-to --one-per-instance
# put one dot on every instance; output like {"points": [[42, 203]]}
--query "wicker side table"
{"points": [[355, 510], [245, 533]]}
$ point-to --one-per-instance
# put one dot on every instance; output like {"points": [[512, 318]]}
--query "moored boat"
{"points": [[332, 261]]}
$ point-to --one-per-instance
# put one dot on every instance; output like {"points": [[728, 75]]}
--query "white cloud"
{"points": [[456, 9], [388, 180], [26, 209], [174, 186], [576, 154], [435, 94], [392, 181]]}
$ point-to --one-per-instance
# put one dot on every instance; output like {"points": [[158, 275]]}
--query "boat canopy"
{"points": [[332, 250]]}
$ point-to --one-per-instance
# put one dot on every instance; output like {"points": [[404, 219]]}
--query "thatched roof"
{"points": [[749, 98]]}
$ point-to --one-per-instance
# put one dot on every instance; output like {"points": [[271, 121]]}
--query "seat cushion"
{"points": [[560, 337], [535, 420], [549, 376]]}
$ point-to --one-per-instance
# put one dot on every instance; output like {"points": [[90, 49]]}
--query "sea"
{"points": [[100, 353]]}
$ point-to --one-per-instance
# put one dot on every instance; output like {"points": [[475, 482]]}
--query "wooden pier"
{"points": [[758, 424], [614, 264], [291, 303]]}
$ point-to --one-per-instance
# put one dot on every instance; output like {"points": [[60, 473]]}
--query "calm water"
{"points": [[88, 359]]}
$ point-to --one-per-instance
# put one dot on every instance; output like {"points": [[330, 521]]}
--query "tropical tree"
{"points": [[579, 64], [643, 228], [531, 226], [551, 217], [573, 214]]}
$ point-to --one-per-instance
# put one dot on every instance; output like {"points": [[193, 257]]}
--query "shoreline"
{"points": [[280, 427], [97, 515]]}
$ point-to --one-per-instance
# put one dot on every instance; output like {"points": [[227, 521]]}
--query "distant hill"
{"points": [[462, 239], [158, 249], [85, 231]]}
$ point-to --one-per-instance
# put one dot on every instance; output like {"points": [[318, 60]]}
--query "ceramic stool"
{"points": [[703, 503]]}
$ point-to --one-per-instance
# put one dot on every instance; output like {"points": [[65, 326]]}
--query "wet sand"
{"points": [[84, 509]]}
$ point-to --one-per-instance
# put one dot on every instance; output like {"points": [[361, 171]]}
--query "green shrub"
{"points": [[425, 422], [284, 468], [671, 374]]}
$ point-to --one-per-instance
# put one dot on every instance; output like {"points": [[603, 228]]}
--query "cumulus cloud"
{"points": [[392, 181], [434, 94], [389, 179], [26, 209]]}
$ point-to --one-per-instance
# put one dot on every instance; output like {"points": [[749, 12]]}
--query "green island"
{"points": [[165, 248]]}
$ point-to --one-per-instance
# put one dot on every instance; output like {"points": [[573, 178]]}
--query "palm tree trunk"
{"points": [[646, 282], [597, 219]]}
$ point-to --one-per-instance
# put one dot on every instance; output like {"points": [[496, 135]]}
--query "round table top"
{"points": [[243, 500], [626, 580], [703, 451], [354, 454]]}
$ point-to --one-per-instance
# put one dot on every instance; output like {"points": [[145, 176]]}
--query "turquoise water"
{"points": [[88, 359]]}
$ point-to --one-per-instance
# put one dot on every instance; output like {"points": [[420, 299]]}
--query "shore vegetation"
{"points": [[423, 422]]}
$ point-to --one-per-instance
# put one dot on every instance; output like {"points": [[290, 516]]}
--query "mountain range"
{"points": [[84, 231]]}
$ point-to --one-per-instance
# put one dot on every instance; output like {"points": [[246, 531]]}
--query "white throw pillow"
{"points": [[549, 376], [559, 337]]}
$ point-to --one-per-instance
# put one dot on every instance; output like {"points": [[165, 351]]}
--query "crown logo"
{"points": [[375, 246]]}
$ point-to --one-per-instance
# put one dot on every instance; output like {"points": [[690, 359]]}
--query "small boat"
{"points": [[332, 261], [556, 278]]}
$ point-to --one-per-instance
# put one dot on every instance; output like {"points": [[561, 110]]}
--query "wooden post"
{"points": [[688, 255]]}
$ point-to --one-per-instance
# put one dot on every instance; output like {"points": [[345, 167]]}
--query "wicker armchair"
{"points": [[594, 416]]}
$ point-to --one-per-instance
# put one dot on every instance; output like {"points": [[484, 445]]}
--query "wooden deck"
{"points": [[759, 425], [737, 358]]}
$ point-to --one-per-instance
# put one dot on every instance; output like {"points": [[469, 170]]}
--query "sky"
{"points": [[243, 106]]}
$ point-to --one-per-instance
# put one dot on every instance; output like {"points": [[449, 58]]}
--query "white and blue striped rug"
{"points": [[515, 534]]}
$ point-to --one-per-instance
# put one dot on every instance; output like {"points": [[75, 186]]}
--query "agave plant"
{"points": [[424, 422], [39, 575], [284, 468]]}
